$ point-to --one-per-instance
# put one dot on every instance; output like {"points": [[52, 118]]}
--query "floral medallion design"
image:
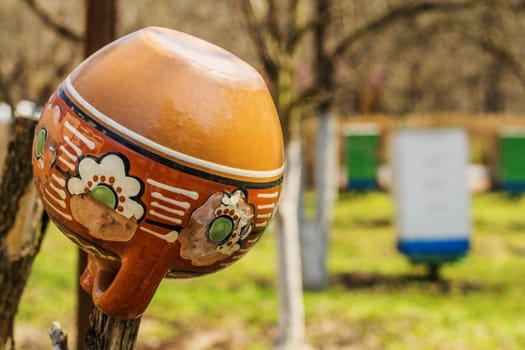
{"points": [[108, 182], [232, 224], [104, 198], [217, 228]]}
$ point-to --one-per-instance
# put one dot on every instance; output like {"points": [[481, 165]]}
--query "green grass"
{"points": [[375, 300]]}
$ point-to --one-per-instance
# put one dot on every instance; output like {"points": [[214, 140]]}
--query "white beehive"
{"points": [[429, 169]]}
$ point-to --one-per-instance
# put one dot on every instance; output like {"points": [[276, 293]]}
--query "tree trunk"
{"points": [[291, 313], [314, 238], [494, 99], [22, 221]]}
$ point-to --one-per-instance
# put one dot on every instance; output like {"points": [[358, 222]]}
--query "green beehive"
{"points": [[361, 156], [512, 159]]}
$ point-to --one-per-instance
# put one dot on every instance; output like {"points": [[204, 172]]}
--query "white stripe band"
{"points": [[68, 154], [66, 163], [58, 191], [191, 194], [268, 195], [165, 217], [71, 144], [55, 198], [266, 206], [259, 174], [159, 196], [82, 137], [168, 209], [58, 180], [57, 210], [170, 237]]}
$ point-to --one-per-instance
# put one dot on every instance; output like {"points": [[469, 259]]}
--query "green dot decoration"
{"points": [[220, 229], [40, 141], [103, 193]]}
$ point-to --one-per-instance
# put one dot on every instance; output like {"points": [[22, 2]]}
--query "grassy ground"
{"points": [[376, 299]]}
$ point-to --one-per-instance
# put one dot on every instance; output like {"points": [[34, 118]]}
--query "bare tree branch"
{"points": [[297, 33], [411, 9], [519, 6], [4, 90], [294, 30], [50, 22], [323, 61], [502, 54], [309, 96], [271, 19], [261, 45], [293, 10], [314, 93], [6, 81], [318, 93]]}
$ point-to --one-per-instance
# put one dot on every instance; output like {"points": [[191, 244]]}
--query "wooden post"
{"points": [[100, 30], [433, 272], [101, 19], [106, 333]]}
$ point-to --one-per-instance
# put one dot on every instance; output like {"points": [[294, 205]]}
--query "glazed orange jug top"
{"points": [[170, 91]]}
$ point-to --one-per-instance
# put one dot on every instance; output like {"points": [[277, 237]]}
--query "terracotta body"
{"points": [[161, 156]]}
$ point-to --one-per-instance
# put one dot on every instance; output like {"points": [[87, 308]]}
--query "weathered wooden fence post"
{"points": [[100, 29], [106, 332]]}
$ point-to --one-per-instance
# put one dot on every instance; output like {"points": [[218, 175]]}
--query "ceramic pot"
{"points": [[161, 155]]}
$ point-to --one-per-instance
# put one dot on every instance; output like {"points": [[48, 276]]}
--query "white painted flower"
{"points": [[108, 182]]}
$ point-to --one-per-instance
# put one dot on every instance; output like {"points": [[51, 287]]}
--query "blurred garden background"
{"points": [[375, 298], [329, 64]]}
